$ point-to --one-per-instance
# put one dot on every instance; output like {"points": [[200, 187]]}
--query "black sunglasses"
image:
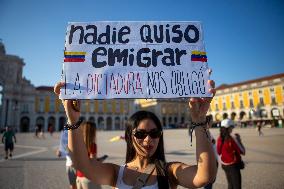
{"points": [[142, 134]]}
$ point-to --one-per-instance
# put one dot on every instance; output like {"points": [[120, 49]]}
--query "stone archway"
{"points": [[109, 123], [242, 115], [40, 123], [91, 119], [225, 116], [218, 117], [117, 123], [82, 118], [101, 123], [170, 120], [233, 116], [62, 121], [51, 124], [25, 124]]}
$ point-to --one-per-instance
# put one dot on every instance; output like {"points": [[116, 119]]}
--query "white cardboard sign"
{"points": [[105, 60]]}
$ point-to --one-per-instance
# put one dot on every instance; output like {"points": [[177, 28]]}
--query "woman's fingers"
{"points": [[212, 89], [211, 83], [57, 87]]}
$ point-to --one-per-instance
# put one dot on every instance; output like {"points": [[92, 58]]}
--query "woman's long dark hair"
{"points": [[89, 134], [224, 133], [158, 157]]}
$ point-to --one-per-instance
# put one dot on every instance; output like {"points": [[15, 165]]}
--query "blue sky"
{"points": [[244, 39]]}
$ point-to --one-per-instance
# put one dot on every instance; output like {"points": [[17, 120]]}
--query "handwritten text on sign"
{"points": [[104, 60]]}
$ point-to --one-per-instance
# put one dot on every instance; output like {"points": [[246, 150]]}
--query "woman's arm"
{"points": [[219, 145], [78, 151], [205, 170]]}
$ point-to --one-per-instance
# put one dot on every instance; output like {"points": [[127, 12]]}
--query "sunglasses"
{"points": [[142, 134]]}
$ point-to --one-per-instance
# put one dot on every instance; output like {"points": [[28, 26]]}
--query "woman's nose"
{"points": [[148, 138]]}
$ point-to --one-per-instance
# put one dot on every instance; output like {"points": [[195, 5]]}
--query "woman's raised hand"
{"points": [[198, 107], [72, 113]]}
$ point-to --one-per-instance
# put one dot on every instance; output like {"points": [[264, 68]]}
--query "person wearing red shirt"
{"points": [[230, 150]]}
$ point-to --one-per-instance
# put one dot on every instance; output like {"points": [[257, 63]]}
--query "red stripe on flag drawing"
{"points": [[199, 59], [74, 59]]}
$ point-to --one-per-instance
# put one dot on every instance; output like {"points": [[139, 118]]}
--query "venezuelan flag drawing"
{"points": [[74, 56], [198, 56]]}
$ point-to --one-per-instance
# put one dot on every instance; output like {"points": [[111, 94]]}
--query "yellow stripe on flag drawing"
{"points": [[74, 53]]}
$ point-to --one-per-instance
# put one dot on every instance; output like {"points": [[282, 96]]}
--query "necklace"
{"points": [[135, 168]]}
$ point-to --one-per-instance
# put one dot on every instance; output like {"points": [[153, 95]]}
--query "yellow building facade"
{"points": [[107, 114], [253, 100], [172, 112]]}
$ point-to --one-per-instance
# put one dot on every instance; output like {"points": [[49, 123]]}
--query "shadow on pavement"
{"points": [[39, 159]]}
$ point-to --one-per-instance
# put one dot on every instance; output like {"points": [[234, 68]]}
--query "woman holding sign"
{"points": [[145, 165]]}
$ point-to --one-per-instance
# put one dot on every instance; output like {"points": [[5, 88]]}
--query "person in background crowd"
{"points": [[259, 127], [50, 129], [7, 139], [63, 152], [230, 149], [36, 130]]}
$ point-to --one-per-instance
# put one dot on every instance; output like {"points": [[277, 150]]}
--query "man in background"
{"points": [[63, 152], [7, 138]]}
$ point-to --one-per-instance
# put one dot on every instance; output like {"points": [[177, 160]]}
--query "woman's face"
{"points": [[146, 138]]}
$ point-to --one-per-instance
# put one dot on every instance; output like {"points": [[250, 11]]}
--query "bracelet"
{"points": [[193, 125], [72, 127]]}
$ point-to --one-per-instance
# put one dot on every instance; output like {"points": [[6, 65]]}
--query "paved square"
{"points": [[34, 164]]}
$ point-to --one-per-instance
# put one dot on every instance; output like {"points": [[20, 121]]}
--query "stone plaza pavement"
{"points": [[35, 166]]}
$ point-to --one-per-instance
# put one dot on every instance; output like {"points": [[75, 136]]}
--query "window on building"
{"points": [[101, 106], [126, 110], [25, 108], [273, 100], [250, 103], [216, 107], [117, 106], [260, 91], [232, 105], [52, 105], [83, 106], [109, 106], [61, 108], [41, 105], [271, 89], [242, 104], [261, 102], [164, 110], [1, 90], [224, 106]]}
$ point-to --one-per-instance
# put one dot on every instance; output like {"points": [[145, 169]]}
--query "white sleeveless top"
{"points": [[121, 185]]}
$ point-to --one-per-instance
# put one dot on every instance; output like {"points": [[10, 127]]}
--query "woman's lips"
{"points": [[148, 148]]}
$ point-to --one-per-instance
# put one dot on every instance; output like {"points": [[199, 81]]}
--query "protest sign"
{"points": [[105, 60]]}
